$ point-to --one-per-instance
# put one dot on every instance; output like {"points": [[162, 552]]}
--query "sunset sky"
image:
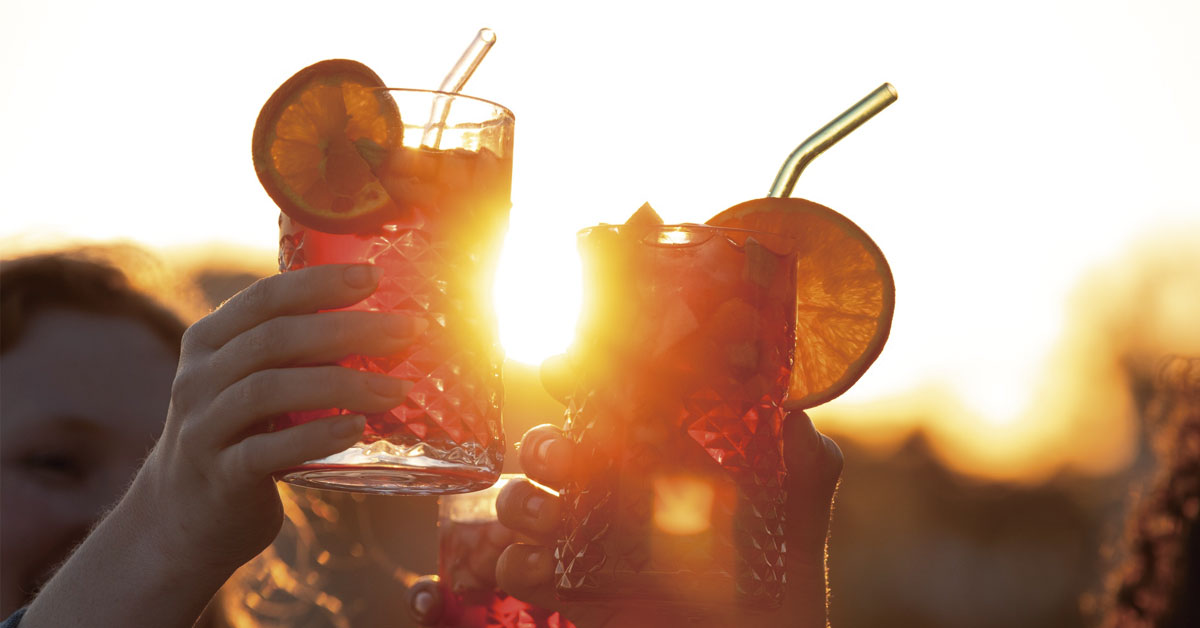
{"points": [[1035, 145]]}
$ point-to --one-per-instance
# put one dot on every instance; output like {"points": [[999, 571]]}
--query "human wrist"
{"points": [[121, 575], [166, 537], [164, 543]]}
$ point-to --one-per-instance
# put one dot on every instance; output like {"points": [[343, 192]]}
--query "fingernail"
{"points": [[389, 386], [361, 275], [533, 504], [402, 326], [542, 453], [423, 602], [348, 425]]}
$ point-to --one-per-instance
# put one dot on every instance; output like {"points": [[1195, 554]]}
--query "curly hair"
{"points": [[1158, 586], [97, 280]]}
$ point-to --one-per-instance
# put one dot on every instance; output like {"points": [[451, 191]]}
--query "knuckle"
{"points": [[235, 463], [184, 375], [258, 340], [246, 464], [183, 387], [364, 330], [346, 328], [252, 390], [196, 335], [343, 379], [256, 295], [187, 432]]}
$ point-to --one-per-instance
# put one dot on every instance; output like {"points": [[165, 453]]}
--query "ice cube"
{"points": [[645, 216], [643, 221], [761, 263], [675, 324], [742, 358]]}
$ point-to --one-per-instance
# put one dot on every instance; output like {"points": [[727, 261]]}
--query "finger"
{"points": [[314, 339], [526, 572], [546, 455], [814, 464], [425, 601], [260, 455], [272, 392], [529, 510], [558, 377], [304, 291]]}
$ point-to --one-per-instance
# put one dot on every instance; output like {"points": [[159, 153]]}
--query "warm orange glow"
{"points": [[988, 239], [1078, 409], [682, 504]]}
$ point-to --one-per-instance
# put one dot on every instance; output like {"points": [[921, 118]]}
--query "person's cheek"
{"points": [[43, 523], [28, 537]]}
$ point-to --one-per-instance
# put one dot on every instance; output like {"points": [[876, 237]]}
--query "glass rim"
{"points": [[656, 236], [457, 95], [683, 226]]}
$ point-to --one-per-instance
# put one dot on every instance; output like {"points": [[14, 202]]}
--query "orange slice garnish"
{"points": [[320, 140], [844, 291]]}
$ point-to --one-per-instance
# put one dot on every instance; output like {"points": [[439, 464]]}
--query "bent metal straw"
{"points": [[829, 135]]}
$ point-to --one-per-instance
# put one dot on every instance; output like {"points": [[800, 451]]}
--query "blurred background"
{"points": [[1034, 189]]}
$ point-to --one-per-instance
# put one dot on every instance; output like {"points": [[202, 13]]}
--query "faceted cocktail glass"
{"points": [[681, 364], [438, 261], [470, 540]]}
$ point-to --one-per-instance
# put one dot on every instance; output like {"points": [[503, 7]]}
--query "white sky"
{"points": [[1032, 141]]}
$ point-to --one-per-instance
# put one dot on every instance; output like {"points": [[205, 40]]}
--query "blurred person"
{"points": [[1158, 584], [204, 502], [87, 360]]}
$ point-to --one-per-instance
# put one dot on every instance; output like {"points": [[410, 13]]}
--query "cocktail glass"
{"points": [[681, 364], [451, 179], [470, 539]]}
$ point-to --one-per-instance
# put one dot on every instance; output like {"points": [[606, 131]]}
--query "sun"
{"points": [[537, 293]]}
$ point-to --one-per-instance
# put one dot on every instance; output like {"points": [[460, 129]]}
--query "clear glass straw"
{"points": [[829, 135], [458, 75], [453, 83]]}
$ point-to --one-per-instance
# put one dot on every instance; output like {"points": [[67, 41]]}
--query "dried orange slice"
{"points": [[319, 141], [844, 291]]}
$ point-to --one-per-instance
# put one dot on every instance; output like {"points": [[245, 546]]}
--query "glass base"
{"points": [[384, 468]]}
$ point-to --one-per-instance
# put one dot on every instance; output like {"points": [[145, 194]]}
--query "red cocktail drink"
{"points": [[470, 541], [438, 254], [682, 362]]}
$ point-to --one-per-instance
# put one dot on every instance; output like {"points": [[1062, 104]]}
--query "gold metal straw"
{"points": [[829, 135]]}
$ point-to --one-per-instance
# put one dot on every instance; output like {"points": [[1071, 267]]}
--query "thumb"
{"points": [[814, 466], [814, 462]]}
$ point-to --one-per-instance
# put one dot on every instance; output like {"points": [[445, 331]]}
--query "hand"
{"points": [[210, 475], [526, 571], [205, 502]]}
